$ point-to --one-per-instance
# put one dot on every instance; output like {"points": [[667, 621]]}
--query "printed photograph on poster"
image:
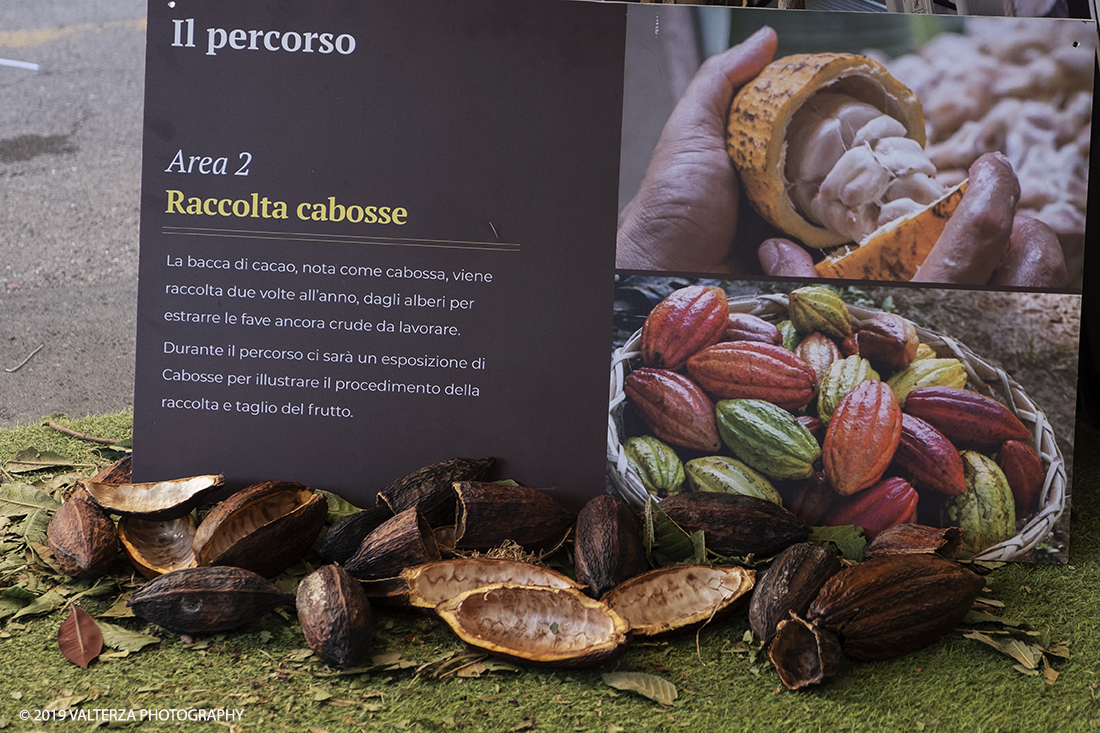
{"points": [[864, 146], [859, 407]]}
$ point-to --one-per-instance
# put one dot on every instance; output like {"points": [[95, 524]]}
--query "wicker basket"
{"points": [[983, 376]]}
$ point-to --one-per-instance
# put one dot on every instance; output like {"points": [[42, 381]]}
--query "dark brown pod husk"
{"points": [[206, 600], [155, 500], [82, 538], [553, 627], [436, 582], [489, 514], [680, 598], [803, 654], [430, 489], [608, 544], [117, 473], [344, 537], [401, 542], [734, 524], [335, 616], [915, 538], [789, 585], [894, 604], [265, 528], [157, 547]]}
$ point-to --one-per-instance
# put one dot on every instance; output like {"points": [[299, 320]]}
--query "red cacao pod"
{"points": [[967, 419], [675, 409], [747, 327], [889, 502], [928, 458], [1025, 474], [819, 352], [863, 435], [753, 370], [688, 320], [886, 340]]}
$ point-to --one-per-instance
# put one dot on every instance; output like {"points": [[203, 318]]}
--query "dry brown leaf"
{"points": [[79, 637]]}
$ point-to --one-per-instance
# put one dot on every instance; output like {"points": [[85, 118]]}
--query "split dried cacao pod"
{"points": [[265, 528], [82, 538], [929, 458], [688, 320], [491, 513], [886, 503], [967, 419], [893, 605], [680, 598], [986, 513], [767, 438], [734, 524], [430, 490], [915, 538], [804, 654], [720, 473], [674, 407], [158, 547], [840, 379], [659, 467], [435, 582], [788, 586], [335, 616], [754, 370], [403, 541], [206, 600], [156, 500], [861, 439], [1024, 470], [819, 308], [554, 627], [747, 327], [608, 544], [343, 538]]}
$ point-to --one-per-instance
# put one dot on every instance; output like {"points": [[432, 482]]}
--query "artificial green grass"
{"points": [[955, 685]]}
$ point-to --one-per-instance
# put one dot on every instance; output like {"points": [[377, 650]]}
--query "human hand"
{"points": [[684, 215]]}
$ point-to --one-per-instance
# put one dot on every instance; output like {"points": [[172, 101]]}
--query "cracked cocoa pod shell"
{"points": [[344, 537], [155, 500], [679, 598], [490, 513], [735, 524], [894, 604], [401, 542], [914, 538], [788, 586], [804, 654], [430, 490], [436, 582], [155, 547], [265, 528], [335, 616], [553, 627], [117, 473], [82, 538], [608, 547], [206, 600]]}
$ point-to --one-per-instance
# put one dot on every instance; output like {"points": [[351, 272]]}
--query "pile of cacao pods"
{"points": [[843, 419]]}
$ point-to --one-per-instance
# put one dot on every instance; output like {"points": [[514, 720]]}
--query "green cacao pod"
{"points": [[789, 335], [661, 471], [767, 438], [720, 473], [839, 380], [927, 373], [986, 513], [819, 308]]}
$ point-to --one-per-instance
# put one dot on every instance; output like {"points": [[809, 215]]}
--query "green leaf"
{"points": [[49, 601], [648, 685], [33, 459], [666, 542], [848, 538], [33, 528], [20, 500], [124, 640], [14, 599], [338, 507], [1028, 655]]}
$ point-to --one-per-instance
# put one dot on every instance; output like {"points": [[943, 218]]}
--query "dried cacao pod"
{"points": [[893, 605], [804, 654], [156, 500], [735, 524], [429, 488], [608, 548], [720, 473], [686, 321], [752, 370], [432, 583], [674, 408], [767, 438], [155, 547], [206, 600], [967, 419], [403, 541], [861, 439], [82, 538], [934, 372], [679, 598], [747, 327], [659, 467], [788, 585], [889, 502], [929, 458], [344, 537], [335, 616], [819, 308], [819, 352], [838, 382], [986, 513], [808, 499], [1024, 471], [911, 538], [491, 513], [886, 340]]}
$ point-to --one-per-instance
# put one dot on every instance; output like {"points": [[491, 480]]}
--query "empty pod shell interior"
{"points": [[679, 597]]}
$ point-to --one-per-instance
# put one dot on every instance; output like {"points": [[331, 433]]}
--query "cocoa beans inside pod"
{"points": [[344, 537], [206, 600], [894, 604], [82, 538], [608, 547], [265, 528], [335, 616], [555, 627], [490, 513], [158, 547], [679, 598], [789, 585], [735, 524], [909, 538], [398, 543], [156, 500], [803, 654], [429, 488], [436, 582]]}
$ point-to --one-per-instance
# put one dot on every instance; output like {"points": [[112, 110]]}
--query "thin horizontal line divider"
{"points": [[338, 238]]}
